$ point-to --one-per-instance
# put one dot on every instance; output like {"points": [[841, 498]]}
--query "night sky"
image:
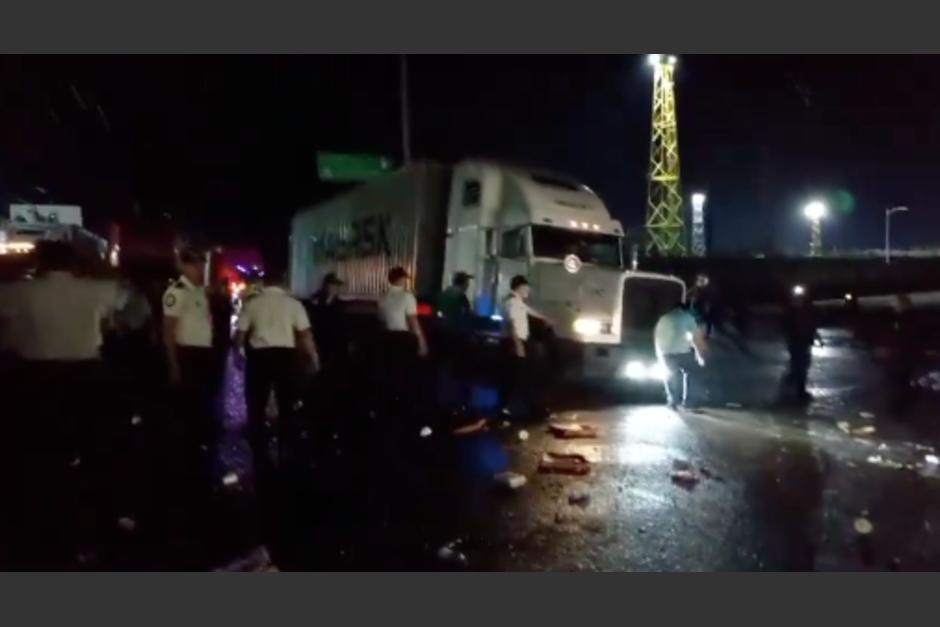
{"points": [[228, 145]]}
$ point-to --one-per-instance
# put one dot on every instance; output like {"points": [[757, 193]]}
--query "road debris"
{"points": [[258, 560], [230, 479], [564, 463], [523, 435], [867, 415], [568, 431], [449, 553], [425, 432], [136, 420], [863, 526], [685, 478], [866, 430], [75, 463], [473, 427], [511, 480], [881, 461], [127, 524], [580, 499], [932, 459], [844, 426], [734, 405]]}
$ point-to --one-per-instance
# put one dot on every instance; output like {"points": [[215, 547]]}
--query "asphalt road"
{"points": [[777, 488]]}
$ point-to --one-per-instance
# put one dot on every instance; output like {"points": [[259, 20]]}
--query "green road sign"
{"points": [[339, 167]]}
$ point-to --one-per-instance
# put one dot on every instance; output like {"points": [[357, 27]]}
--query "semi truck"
{"points": [[494, 221]]}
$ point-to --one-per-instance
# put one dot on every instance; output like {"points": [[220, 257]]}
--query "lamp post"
{"points": [[815, 211], [698, 224], [888, 214]]}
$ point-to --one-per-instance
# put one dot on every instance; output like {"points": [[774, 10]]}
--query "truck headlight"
{"points": [[587, 326], [658, 371], [635, 370]]}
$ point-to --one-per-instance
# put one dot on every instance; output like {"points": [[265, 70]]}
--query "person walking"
{"points": [[800, 333], [403, 342], [58, 413], [190, 360], [454, 317], [680, 345], [515, 385], [274, 331]]}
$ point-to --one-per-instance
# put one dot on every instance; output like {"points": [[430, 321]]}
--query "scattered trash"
{"points": [[708, 474], [127, 525], [881, 461], [511, 480], [523, 435], [75, 463], [882, 447], [866, 430], [844, 426], [568, 431], [473, 427], [258, 560], [863, 526], [564, 463], [734, 405], [681, 464], [581, 499], [86, 558], [505, 424], [449, 553], [927, 527], [867, 415], [932, 459], [136, 420], [425, 432], [230, 479], [685, 478]]}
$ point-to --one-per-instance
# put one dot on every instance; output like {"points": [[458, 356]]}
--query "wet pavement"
{"points": [[740, 484], [773, 488]]}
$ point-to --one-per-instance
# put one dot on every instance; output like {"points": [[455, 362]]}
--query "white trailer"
{"points": [[493, 221]]}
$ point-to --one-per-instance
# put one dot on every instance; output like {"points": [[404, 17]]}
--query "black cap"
{"points": [[332, 279], [396, 274], [192, 255], [462, 278], [518, 281]]}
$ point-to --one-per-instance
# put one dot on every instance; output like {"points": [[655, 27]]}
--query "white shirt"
{"points": [[516, 316], [674, 332], [57, 316], [272, 318], [395, 307], [189, 304]]}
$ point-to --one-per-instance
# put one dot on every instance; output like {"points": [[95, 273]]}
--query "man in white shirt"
{"points": [[403, 341], [515, 376], [187, 340], [276, 330], [679, 346]]}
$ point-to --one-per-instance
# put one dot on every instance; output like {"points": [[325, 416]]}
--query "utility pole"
{"points": [[405, 113], [888, 214], [665, 224]]}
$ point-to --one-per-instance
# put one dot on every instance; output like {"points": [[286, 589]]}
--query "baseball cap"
{"points": [[518, 281], [397, 273], [461, 277], [332, 279]]}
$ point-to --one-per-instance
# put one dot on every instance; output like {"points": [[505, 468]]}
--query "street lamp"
{"points": [[815, 211], [888, 214], [698, 224]]}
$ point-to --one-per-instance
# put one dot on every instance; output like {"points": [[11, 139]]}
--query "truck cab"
{"points": [[505, 220]]}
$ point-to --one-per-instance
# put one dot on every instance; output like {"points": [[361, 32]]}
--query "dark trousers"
{"points": [[53, 460], [798, 371], [267, 370], [677, 383], [199, 387], [515, 389]]}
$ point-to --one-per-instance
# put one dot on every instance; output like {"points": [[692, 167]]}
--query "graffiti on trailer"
{"points": [[365, 237]]}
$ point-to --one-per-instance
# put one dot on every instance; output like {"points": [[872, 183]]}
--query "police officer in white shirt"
{"points": [[187, 339], [403, 340], [275, 328], [516, 312]]}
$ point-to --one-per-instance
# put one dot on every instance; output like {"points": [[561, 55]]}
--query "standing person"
{"points": [[680, 344], [187, 340], [905, 354], [800, 332], [403, 342], [515, 383], [52, 325], [275, 328], [455, 324], [326, 314]]}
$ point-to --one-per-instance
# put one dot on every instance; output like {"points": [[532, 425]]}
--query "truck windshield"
{"points": [[596, 248]]}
